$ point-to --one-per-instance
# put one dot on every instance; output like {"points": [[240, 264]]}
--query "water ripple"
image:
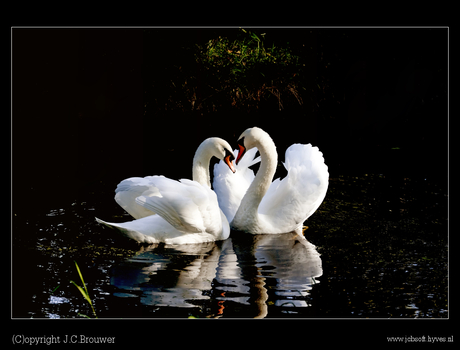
{"points": [[263, 271]]}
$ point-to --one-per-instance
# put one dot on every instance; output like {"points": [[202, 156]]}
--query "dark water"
{"points": [[377, 247]]}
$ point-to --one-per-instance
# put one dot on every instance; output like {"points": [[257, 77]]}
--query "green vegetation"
{"points": [[245, 72], [84, 290], [238, 72]]}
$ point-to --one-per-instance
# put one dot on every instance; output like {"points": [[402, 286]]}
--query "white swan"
{"points": [[282, 205], [129, 189], [231, 187], [188, 211]]}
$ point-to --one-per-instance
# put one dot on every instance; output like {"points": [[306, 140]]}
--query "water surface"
{"points": [[376, 247], [248, 274]]}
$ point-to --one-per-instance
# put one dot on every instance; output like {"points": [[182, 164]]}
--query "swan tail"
{"points": [[129, 232], [154, 229]]}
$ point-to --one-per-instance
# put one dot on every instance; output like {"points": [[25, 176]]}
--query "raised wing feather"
{"points": [[129, 189], [290, 201]]}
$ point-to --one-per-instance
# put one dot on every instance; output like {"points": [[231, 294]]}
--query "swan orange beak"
{"points": [[240, 153], [229, 162]]}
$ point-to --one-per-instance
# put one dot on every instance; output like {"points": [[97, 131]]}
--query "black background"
{"points": [[87, 105]]}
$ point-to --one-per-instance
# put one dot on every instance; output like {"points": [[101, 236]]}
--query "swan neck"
{"points": [[267, 169], [200, 167], [248, 210]]}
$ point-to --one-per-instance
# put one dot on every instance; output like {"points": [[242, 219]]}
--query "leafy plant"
{"points": [[84, 290], [244, 71]]}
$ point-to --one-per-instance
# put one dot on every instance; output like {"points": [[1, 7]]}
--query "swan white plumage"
{"points": [[282, 205], [231, 187], [176, 212], [129, 189]]}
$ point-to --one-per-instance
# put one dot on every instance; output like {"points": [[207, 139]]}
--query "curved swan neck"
{"points": [[267, 169], [200, 167], [261, 183]]}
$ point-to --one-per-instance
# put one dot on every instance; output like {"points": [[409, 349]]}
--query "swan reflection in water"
{"points": [[250, 271]]}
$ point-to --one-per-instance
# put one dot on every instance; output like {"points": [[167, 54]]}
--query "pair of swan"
{"points": [[185, 211]]}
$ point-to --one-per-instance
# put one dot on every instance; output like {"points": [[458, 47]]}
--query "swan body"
{"points": [[282, 205], [231, 188], [176, 212]]}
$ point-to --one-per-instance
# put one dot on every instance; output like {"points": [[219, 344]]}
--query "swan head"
{"points": [[221, 149], [248, 139]]}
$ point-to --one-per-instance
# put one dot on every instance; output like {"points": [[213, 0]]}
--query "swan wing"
{"points": [[231, 187], [129, 189], [186, 205], [290, 201]]}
